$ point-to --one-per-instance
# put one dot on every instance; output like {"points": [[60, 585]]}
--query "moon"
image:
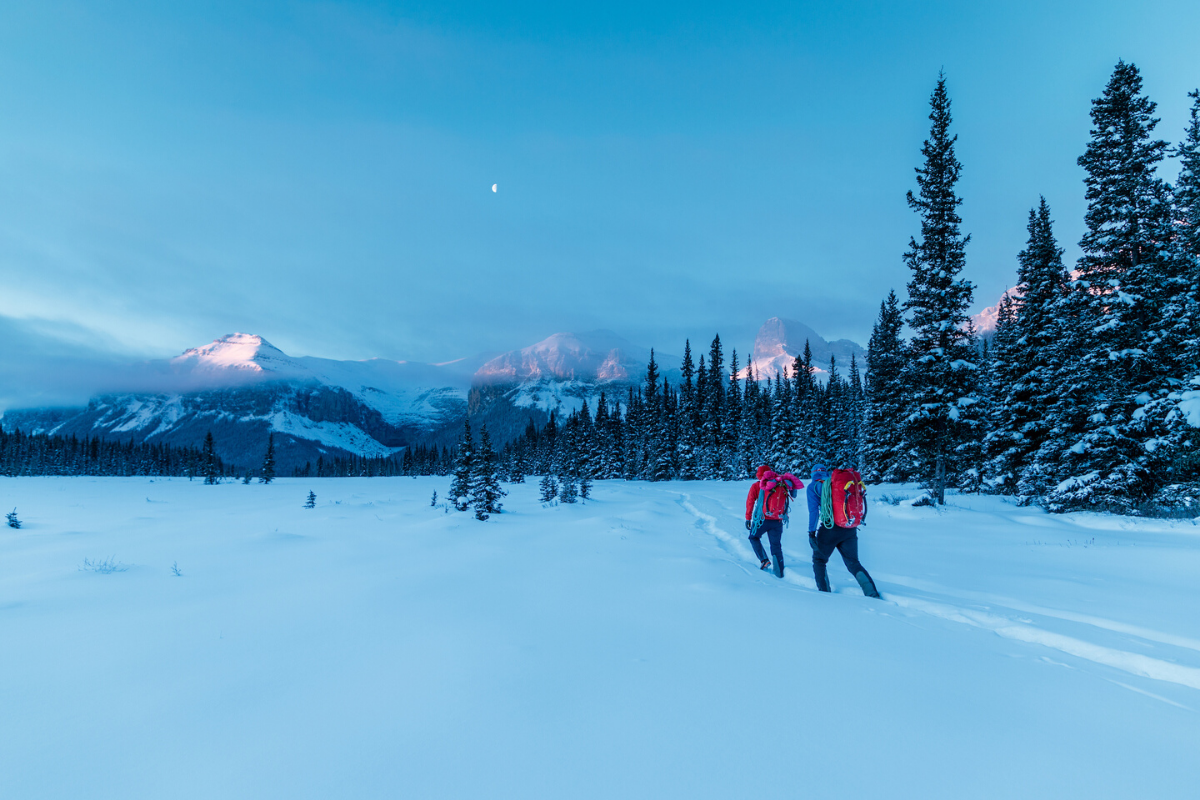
{"points": [[493, 187]]}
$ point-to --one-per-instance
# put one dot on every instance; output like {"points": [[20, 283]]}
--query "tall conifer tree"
{"points": [[886, 397], [940, 365], [1121, 273]]}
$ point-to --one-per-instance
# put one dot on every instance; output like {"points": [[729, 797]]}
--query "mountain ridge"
{"points": [[245, 389]]}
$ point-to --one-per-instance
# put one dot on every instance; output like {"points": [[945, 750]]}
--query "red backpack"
{"points": [[849, 498], [777, 502]]}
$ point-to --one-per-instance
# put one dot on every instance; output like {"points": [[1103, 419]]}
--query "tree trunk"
{"points": [[940, 480]]}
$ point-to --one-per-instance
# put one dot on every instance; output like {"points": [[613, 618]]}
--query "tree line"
{"points": [[25, 454]]}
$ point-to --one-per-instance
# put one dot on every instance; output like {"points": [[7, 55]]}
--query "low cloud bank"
{"points": [[50, 364]]}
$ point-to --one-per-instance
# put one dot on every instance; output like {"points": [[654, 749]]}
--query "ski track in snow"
{"points": [[1069, 616], [734, 545], [1021, 631]]}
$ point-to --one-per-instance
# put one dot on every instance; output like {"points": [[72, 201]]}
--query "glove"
{"points": [[747, 524]]}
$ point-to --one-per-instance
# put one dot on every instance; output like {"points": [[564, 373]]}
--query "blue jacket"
{"points": [[819, 476]]}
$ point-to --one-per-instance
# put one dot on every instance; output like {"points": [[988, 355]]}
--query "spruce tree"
{"points": [[713, 412], [549, 488], [1122, 274], [805, 414], [211, 468], [1027, 363], [464, 462], [1165, 425], [939, 369], [854, 413], [731, 425], [1187, 190], [267, 473], [484, 483], [688, 418], [886, 398], [570, 491]]}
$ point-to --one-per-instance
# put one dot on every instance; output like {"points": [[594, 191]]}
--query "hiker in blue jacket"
{"points": [[824, 540]]}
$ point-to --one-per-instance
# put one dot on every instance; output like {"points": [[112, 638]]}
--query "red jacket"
{"points": [[776, 502]]}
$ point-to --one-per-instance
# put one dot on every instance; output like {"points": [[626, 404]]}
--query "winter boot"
{"points": [[766, 564], [868, 585], [778, 567]]}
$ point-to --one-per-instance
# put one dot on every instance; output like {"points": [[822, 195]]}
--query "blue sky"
{"points": [[320, 173]]}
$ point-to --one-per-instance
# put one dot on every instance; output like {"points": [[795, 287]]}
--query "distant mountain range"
{"points": [[243, 388]]}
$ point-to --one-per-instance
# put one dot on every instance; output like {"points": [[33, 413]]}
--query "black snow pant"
{"points": [[773, 528], [845, 540]]}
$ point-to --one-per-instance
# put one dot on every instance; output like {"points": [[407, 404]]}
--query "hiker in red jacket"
{"points": [[767, 511]]}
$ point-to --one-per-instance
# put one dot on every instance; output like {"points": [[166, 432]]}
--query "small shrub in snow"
{"points": [[13, 522], [893, 499], [570, 493], [311, 502], [1177, 501], [585, 487], [433, 500], [103, 566], [924, 500], [175, 570], [549, 488]]}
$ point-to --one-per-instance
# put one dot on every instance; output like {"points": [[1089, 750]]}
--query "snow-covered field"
{"points": [[629, 647]]}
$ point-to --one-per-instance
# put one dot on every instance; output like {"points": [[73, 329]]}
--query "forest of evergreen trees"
{"points": [[24, 454], [1087, 395]]}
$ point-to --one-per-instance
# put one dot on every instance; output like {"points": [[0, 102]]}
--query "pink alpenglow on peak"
{"points": [[237, 351], [597, 355]]}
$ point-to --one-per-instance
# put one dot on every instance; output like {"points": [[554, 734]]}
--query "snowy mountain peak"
{"points": [[238, 351], [780, 340], [599, 355]]}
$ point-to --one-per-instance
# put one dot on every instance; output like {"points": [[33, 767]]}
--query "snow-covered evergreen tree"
{"points": [[464, 463], [939, 370], [1026, 363], [1122, 275], [886, 398], [854, 404], [210, 467], [548, 488], [570, 489], [267, 473], [1168, 425], [731, 426], [484, 481]]}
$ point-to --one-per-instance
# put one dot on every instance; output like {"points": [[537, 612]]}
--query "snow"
{"points": [[1189, 406], [628, 647], [332, 434]]}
